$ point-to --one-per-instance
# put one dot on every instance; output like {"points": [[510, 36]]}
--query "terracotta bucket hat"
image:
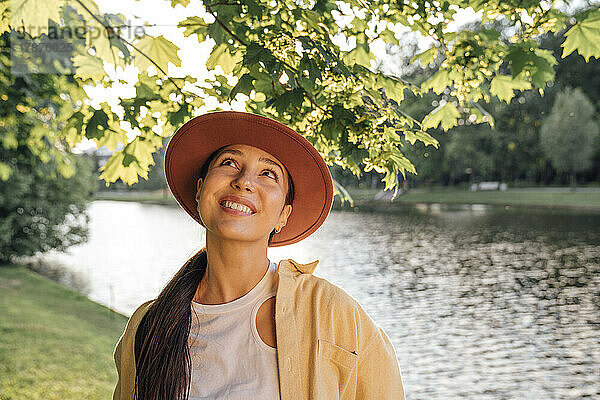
{"points": [[198, 138]]}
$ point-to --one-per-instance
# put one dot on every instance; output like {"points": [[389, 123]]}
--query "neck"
{"points": [[233, 269]]}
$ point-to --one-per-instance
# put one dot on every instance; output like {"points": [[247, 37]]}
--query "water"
{"points": [[480, 302]]}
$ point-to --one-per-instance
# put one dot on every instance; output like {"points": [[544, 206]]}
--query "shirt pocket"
{"points": [[336, 367]]}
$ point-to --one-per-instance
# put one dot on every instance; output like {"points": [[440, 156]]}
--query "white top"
{"points": [[229, 359]]}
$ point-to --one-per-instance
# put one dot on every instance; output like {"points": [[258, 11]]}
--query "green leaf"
{"points": [[112, 136], [264, 84], [437, 82], [311, 17], [96, 125], [427, 139], [389, 36], [425, 57], [220, 55], [489, 35], [518, 57], [182, 2], [85, 7], [176, 118], [331, 129], [394, 89], [143, 91], [503, 86], [74, 129], [447, 115], [390, 180], [255, 8], [254, 54], [244, 86], [584, 37], [309, 65], [401, 162], [142, 151], [542, 70], [537, 62], [159, 49], [34, 15], [4, 17], [195, 25], [292, 97], [114, 169], [88, 67], [104, 47], [360, 55]]}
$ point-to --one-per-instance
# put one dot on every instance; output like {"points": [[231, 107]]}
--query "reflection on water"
{"points": [[480, 302]]}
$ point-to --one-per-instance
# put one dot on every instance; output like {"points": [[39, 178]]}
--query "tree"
{"points": [[39, 213], [569, 133], [513, 143], [43, 199], [282, 58]]}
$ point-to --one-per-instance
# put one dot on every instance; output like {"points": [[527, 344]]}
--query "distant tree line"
{"points": [[513, 151]]}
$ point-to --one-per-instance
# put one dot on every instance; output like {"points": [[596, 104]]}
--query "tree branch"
{"points": [[110, 30], [224, 27]]}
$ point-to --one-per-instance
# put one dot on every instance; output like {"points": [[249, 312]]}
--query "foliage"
{"points": [[283, 55], [513, 146], [44, 188], [156, 175], [38, 212], [569, 133]]}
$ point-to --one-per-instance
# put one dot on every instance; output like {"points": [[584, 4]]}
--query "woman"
{"points": [[231, 324]]}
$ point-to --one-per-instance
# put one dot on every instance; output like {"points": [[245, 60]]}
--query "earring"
{"points": [[277, 230]]}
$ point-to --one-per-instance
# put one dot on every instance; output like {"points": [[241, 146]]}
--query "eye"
{"points": [[226, 160], [274, 174]]}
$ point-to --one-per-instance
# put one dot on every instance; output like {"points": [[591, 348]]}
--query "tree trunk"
{"points": [[573, 181]]}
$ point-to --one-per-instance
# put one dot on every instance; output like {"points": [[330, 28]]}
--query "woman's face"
{"points": [[252, 177]]}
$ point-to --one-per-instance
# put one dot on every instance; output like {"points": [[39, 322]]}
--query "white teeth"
{"points": [[237, 206]]}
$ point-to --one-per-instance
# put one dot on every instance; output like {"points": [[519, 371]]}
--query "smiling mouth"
{"points": [[236, 208]]}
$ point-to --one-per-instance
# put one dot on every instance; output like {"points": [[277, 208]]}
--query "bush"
{"points": [[41, 210]]}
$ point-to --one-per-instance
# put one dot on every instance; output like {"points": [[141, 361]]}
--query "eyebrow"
{"points": [[263, 159]]}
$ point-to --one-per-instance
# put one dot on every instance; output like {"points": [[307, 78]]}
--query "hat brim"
{"points": [[197, 139]]}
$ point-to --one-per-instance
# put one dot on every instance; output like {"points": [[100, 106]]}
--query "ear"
{"points": [[198, 184], [285, 214]]}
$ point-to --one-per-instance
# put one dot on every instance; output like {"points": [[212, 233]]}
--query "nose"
{"points": [[243, 181]]}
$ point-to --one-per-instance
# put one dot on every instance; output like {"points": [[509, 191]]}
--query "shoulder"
{"points": [[317, 288], [136, 317], [344, 309], [141, 310], [329, 292]]}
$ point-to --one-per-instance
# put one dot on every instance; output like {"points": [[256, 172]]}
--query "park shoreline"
{"points": [[585, 199]]}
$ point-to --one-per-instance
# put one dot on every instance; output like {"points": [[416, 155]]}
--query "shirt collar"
{"points": [[295, 266]]}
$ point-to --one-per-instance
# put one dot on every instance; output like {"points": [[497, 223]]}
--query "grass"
{"points": [[519, 197], [54, 342], [513, 197], [140, 197]]}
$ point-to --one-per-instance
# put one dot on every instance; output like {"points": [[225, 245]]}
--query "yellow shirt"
{"points": [[328, 347]]}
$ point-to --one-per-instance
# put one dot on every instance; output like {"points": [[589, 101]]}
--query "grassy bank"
{"points": [[54, 342], [514, 197], [526, 197]]}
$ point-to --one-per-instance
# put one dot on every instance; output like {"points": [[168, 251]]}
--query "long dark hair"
{"points": [[163, 364]]}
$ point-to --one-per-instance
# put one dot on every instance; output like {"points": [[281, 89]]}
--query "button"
{"points": [[289, 364], [284, 308]]}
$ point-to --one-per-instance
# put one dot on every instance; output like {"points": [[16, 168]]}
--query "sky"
{"points": [[193, 55]]}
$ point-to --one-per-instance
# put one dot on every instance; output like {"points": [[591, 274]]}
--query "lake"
{"points": [[480, 302]]}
